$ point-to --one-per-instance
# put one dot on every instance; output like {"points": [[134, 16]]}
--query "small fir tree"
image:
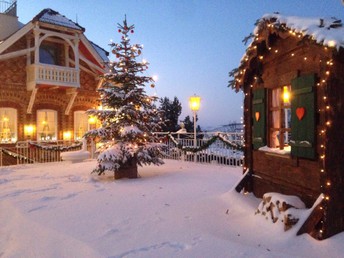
{"points": [[129, 116]]}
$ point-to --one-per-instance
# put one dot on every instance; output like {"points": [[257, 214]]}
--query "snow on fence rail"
{"points": [[225, 150], [26, 152], [221, 151]]}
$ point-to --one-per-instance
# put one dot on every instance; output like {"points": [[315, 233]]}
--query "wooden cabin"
{"points": [[49, 72], [292, 76]]}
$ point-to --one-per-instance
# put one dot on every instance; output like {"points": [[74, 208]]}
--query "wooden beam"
{"points": [[71, 102], [32, 101], [92, 65], [15, 37], [16, 53], [313, 219]]}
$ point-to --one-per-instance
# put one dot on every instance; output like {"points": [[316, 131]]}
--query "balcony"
{"points": [[53, 75]]}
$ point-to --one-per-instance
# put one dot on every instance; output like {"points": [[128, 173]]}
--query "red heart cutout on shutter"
{"points": [[300, 112], [257, 115]]}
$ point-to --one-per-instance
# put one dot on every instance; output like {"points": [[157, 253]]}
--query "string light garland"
{"points": [[74, 146], [274, 26], [206, 145]]}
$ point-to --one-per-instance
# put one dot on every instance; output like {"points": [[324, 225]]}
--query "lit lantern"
{"points": [[286, 94], [195, 102]]}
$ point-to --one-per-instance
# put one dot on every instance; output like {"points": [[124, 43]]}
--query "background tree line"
{"points": [[171, 110]]}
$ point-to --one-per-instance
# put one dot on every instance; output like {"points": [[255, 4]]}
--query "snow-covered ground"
{"points": [[179, 209]]}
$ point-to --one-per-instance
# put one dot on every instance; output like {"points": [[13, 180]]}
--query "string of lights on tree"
{"points": [[129, 115], [326, 64]]}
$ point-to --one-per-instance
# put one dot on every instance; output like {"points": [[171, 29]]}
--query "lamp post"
{"points": [[194, 105]]}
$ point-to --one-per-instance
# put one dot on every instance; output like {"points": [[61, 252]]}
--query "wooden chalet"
{"points": [[49, 72], [292, 76]]}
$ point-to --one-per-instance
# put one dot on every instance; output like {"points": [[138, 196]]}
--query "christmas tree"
{"points": [[129, 116]]}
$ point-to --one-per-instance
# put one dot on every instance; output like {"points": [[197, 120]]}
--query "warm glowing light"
{"points": [[5, 119], [331, 43], [92, 120], [28, 129], [286, 94], [195, 102], [67, 135]]}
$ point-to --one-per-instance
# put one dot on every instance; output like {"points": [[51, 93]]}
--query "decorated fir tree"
{"points": [[129, 116]]}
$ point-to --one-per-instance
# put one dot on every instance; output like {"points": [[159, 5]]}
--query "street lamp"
{"points": [[194, 102]]}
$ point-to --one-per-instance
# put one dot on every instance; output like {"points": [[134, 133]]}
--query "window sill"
{"points": [[285, 153]]}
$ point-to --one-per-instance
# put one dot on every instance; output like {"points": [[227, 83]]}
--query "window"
{"points": [[280, 117], [46, 125], [48, 54], [81, 125], [8, 125]]}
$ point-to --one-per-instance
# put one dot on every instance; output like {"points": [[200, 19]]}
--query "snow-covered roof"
{"points": [[102, 52], [52, 17], [325, 31]]}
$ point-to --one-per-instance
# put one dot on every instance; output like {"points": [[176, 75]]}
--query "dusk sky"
{"points": [[191, 44]]}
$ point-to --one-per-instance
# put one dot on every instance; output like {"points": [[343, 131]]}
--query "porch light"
{"points": [[67, 136], [28, 130], [286, 94]]}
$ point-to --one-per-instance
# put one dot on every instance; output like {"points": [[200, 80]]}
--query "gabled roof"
{"points": [[90, 50], [52, 17]]}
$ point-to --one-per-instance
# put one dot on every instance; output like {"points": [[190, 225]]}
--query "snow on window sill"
{"points": [[285, 151]]}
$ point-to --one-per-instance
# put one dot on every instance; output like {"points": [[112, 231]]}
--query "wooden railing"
{"points": [[52, 75]]}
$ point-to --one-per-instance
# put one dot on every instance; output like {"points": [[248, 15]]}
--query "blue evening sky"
{"points": [[191, 44]]}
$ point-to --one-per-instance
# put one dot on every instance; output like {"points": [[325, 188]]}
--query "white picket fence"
{"points": [[217, 153]]}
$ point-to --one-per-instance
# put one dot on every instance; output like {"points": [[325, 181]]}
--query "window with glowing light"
{"points": [[46, 125], [8, 125], [80, 124], [280, 117]]}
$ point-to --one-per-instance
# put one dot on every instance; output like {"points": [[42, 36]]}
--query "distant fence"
{"points": [[224, 150]]}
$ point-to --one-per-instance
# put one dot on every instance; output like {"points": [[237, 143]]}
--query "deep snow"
{"points": [[180, 209]]}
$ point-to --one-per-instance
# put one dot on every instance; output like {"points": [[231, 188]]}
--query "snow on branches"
{"points": [[129, 115]]}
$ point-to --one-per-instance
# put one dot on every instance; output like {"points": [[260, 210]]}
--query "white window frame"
{"points": [[51, 134], [8, 125]]}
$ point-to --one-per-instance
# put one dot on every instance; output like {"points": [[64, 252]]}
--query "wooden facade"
{"points": [[48, 67], [308, 160]]}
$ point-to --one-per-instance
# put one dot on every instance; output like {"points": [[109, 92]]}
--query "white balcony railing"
{"points": [[52, 75]]}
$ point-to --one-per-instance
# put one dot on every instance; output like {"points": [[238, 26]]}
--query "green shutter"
{"points": [[259, 119], [303, 117]]}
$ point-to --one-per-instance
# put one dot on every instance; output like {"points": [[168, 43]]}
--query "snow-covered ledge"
{"points": [[76, 156], [285, 151]]}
